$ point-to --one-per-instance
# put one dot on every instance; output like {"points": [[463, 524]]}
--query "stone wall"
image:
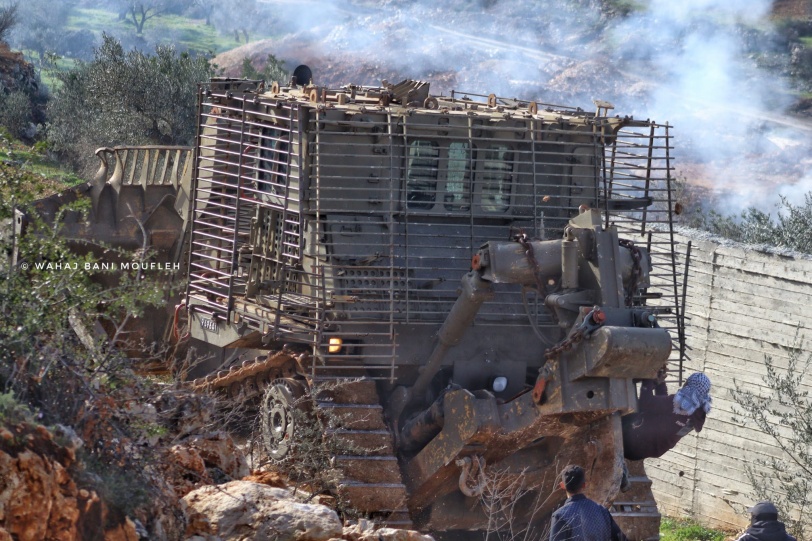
{"points": [[743, 304]]}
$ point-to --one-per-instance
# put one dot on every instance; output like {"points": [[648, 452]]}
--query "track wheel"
{"points": [[279, 417]]}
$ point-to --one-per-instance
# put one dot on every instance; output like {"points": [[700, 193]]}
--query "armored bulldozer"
{"points": [[495, 273], [488, 276]]}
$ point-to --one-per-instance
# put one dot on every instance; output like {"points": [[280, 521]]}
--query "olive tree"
{"points": [[41, 26], [138, 12], [273, 70], [125, 98], [788, 229], [782, 411]]}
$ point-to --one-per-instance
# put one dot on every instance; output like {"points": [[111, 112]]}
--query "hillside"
{"points": [[731, 80], [792, 9]]}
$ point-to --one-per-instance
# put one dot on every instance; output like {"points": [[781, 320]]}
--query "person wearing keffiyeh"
{"points": [[661, 419]]}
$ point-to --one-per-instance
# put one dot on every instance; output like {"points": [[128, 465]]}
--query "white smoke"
{"points": [[692, 63], [728, 112]]}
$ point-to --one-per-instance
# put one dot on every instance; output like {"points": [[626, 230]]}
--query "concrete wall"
{"points": [[742, 304]]}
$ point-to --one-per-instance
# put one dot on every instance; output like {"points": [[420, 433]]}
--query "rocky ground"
{"points": [[207, 492]]}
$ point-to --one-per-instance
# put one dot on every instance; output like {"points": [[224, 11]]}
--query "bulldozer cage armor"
{"points": [[350, 214]]}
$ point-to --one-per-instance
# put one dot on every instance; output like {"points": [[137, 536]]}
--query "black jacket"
{"points": [[654, 428], [581, 519], [766, 530]]}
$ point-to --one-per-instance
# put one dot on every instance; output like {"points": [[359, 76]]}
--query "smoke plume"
{"points": [[697, 64]]}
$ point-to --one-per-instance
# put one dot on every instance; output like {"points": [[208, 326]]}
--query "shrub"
{"points": [[16, 114], [11, 411], [782, 413], [125, 98], [274, 70], [789, 229], [54, 366]]}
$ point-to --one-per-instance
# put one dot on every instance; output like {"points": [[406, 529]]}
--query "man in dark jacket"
{"points": [[581, 519], [661, 419], [764, 525]]}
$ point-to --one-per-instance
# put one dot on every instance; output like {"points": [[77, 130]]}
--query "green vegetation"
{"points": [[37, 161], [51, 365], [789, 228], [16, 112], [274, 70], [185, 34], [125, 98], [672, 529], [11, 411], [783, 414], [98, 21]]}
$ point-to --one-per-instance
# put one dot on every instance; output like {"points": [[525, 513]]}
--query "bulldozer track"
{"points": [[372, 482], [635, 510], [252, 377]]}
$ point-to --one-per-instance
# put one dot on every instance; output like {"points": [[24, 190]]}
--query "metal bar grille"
{"points": [[246, 263], [640, 167], [405, 203], [353, 223]]}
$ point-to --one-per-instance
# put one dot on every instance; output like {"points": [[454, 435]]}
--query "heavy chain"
{"points": [[591, 322], [564, 345], [636, 257]]}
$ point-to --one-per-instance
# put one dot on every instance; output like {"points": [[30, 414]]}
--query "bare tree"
{"points": [[8, 19], [504, 497], [140, 11]]}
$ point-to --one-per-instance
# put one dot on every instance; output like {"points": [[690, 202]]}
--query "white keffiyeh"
{"points": [[694, 394]]}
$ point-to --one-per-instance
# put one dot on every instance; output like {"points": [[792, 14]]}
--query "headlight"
{"points": [[335, 345]]}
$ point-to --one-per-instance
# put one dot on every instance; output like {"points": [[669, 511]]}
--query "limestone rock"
{"points": [[242, 510], [270, 478], [39, 499], [219, 451], [365, 530], [203, 460], [391, 534]]}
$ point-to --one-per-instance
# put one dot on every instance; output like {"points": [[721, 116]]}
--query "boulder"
{"points": [[242, 510], [38, 497], [391, 534], [219, 451], [365, 530], [203, 460]]}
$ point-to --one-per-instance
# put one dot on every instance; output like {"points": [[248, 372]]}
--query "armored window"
{"points": [[421, 174], [496, 177], [458, 176], [273, 161]]}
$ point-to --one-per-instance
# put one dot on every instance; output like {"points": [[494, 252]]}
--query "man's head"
{"points": [[573, 479], [763, 511], [693, 395]]}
